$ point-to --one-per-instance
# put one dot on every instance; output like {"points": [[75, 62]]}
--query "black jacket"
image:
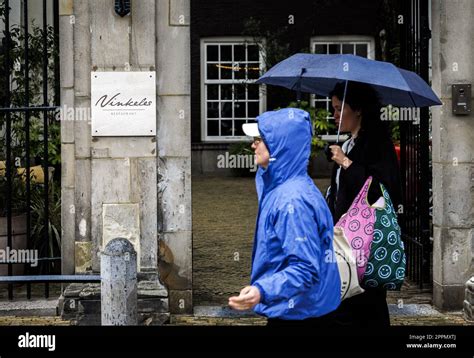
{"points": [[372, 155]]}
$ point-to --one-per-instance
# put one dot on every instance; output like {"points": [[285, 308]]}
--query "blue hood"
{"points": [[294, 231], [288, 157]]}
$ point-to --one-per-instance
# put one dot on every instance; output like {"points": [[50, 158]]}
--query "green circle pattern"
{"points": [[387, 272]]}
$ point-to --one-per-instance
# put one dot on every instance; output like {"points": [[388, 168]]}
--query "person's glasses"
{"points": [[256, 140]]}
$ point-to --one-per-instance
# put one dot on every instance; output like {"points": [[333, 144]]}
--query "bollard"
{"points": [[118, 271]]}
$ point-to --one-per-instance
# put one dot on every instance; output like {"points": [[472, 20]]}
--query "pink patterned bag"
{"points": [[358, 226]]}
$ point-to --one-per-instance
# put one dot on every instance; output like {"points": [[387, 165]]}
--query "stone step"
{"points": [[43, 307]]}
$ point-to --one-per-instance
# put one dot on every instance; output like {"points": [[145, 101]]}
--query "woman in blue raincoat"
{"points": [[291, 281]]}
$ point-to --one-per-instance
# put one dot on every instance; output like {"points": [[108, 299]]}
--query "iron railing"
{"points": [[415, 148], [10, 113]]}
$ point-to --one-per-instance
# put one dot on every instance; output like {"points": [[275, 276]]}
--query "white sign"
{"points": [[123, 104]]}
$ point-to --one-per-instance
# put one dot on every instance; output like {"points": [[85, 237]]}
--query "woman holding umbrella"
{"points": [[369, 151], [357, 87]]}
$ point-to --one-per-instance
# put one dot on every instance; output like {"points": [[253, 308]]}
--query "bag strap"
{"points": [[386, 195], [361, 197]]}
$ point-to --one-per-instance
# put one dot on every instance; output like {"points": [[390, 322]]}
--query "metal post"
{"points": [[8, 140], [45, 140], [118, 270]]}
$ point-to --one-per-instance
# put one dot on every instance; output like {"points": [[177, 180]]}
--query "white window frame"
{"points": [[262, 90], [342, 39]]}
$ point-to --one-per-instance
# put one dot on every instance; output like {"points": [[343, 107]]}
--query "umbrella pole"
{"points": [[342, 111], [298, 93]]}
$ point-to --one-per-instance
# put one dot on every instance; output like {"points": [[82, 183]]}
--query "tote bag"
{"points": [[346, 264], [358, 227], [387, 260]]}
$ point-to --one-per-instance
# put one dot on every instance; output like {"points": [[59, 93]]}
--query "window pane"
{"points": [[253, 91], [226, 92], [320, 49], [212, 52], [239, 110], [226, 53], [212, 72], [320, 104], [253, 109], [212, 91], [239, 93], [252, 53], [212, 109], [361, 50], [226, 109], [226, 71], [240, 73], [334, 49], [212, 128], [348, 48], [238, 128], [239, 53], [226, 128], [253, 71]]}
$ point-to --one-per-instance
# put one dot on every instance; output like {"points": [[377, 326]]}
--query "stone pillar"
{"points": [[105, 178], [453, 154], [118, 272], [109, 184], [469, 301], [174, 150], [68, 204]]}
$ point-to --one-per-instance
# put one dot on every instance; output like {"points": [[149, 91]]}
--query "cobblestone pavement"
{"points": [[443, 320], [33, 321], [451, 319]]}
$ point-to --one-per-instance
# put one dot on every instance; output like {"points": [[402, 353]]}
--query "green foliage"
{"points": [[20, 97], [320, 122], [240, 148], [17, 193], [28, 91], [52, 246]]}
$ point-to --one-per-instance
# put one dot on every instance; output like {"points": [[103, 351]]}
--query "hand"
{"points": [[249, 297], [339, 156]]}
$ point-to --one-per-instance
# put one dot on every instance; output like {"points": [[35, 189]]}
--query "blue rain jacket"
{"points": [[294, 230]]}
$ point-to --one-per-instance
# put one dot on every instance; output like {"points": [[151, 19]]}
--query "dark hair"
{"points": [[362, 97]]}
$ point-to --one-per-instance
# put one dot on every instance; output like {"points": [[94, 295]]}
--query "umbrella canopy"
{"points": [[320, 73]]}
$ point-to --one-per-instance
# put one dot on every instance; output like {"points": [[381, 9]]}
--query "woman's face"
{"points": [[262, 156], [350, 120]]}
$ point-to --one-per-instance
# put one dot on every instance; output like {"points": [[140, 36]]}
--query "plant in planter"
{"points": [[39, 230], [46, 248], [18, 220]]}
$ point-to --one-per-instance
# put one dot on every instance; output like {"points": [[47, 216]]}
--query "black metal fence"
{"points": [[415, 157], [30, 145]]}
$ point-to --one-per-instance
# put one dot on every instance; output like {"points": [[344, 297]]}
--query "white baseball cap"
{"points": [[251, 129]]}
